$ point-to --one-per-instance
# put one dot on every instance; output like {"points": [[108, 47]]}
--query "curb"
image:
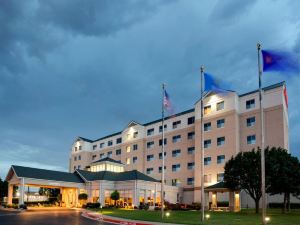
{"points": [[116, 220]]}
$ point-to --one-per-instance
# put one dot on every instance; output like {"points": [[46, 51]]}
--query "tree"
{"points": [[115, 196], [243, 172], [282, 174], [3, 189]]}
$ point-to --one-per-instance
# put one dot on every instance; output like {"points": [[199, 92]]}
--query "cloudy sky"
{"points": [[73, 68]]}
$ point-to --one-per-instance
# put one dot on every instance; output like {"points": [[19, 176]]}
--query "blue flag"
{"points": [[211, 84], [280, 61]]}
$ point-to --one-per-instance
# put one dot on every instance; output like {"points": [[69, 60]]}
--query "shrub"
{"points": [[93, 205], [278, 205], [23, 206], [83, 196]]}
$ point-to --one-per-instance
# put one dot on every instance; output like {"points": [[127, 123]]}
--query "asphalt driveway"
{"points": [[45, 217]]}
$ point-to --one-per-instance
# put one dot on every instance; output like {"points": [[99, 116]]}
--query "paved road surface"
{"points": [[45, 217]]}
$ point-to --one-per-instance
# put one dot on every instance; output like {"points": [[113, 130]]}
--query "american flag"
{"points": [[167, 103]]}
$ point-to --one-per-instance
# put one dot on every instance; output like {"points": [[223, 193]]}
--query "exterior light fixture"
{"points": [[207, 216], [167, 214], [267, 219]]}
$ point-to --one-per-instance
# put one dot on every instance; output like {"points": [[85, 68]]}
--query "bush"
{"points": [[23, 206], [83, 196], [93, 205]]}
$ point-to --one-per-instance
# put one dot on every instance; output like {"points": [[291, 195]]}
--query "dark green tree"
{"points": [[3, 189], [282, 174], [243, 172], [115, 196]]}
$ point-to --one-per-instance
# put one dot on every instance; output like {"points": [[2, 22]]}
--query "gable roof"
{"points": [[84, 139], [28, 172], [107, 159], [113, 176]]}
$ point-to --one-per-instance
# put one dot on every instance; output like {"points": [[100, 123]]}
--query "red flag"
{"points": [[285, 96]]}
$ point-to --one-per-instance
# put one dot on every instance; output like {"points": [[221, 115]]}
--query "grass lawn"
{"points": [[245, 217]]}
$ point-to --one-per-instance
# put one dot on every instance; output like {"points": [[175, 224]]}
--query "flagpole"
{"points": [[163, 154], [263, 179], [202, 153]]}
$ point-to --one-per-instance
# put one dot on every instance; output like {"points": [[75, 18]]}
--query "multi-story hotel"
{"points": [[231, 124]]}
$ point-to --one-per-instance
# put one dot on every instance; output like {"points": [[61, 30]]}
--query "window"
{"points": [[176, 182], [207, 161], [128, 149], [160, 142], [150, 131], [119, 140], [75, 158], [79, 157], [176, 124], [191, 165], [118, 152], [134, 159], [75, 149], [160, 169], [207, 143], [250, 121], [220, 141], [149, 170], [250, 104], [160, 128], [191, 120], [101, 145], [80, 148], [220, 177], [94, 157], [207, 126], [110, 143], [160, 155], [220, 123], [251, 139], [176, 138], [135, 147], [94, 147], [176, 153], [175, 167], [191, 150], [220, 105], [135, 134], [191, 135], [79, 166], [150, 144], [220, 159], [109, 154], [190, 181], [207, 109], [127, 161], [101, 155], [150, 157], [207, 178]]}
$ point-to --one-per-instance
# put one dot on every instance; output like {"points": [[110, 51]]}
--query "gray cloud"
{"points": [[72, 68]]}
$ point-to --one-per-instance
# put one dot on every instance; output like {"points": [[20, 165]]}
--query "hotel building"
{"points": [[231, 124]]}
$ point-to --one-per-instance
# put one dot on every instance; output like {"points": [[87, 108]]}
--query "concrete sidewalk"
{"points": [[117, 220]]}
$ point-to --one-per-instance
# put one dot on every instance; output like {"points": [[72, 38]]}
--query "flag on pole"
{"points": [[211, 84], [167, 103], [280, 61]]}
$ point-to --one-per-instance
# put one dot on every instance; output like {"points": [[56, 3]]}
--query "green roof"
{"points": [[220, 185], [28, 172], [113, 176]]}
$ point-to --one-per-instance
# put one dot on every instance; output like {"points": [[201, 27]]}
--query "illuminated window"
{"points": [[176, 182], [128, 149], [127, 161], [207, 109]]}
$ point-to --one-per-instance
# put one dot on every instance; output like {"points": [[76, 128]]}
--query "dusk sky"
{"points": [[73, 68]]}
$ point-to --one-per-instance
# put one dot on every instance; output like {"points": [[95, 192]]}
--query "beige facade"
{"points": [[231, 125]]}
